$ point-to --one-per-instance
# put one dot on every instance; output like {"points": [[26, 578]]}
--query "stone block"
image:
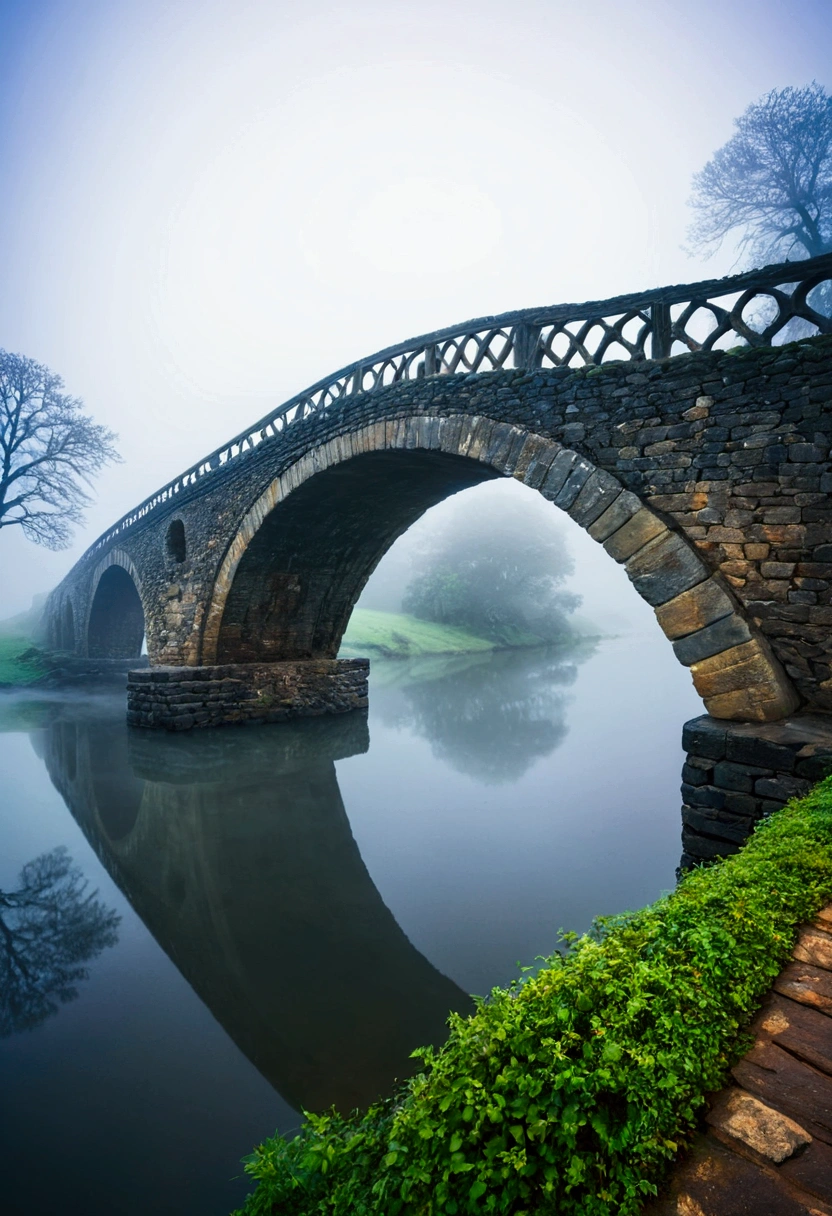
{"points": [[577, 478], [692, 775], [760, 752], [730, 776], [782, 787], [703, 796], [744, 683], [741, 805], [706, 848], [705, 736], [814, 762], [633, 535], [664, 568], [693, 610], [741, 1116], [557, 473], [598, 493], [624, 508], [530, 453], [777, 569], [716, 824], [730, 631], [539, 466]]}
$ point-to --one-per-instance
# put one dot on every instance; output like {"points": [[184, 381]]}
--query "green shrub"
{"points": [[571, 1090]]}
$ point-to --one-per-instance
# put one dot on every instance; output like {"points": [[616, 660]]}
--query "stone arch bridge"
{"points": [[687, 429]]}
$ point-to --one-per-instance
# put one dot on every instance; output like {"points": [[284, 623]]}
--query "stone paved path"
{"points": [[767, 1150]]}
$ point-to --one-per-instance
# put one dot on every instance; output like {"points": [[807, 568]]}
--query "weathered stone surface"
{"points": [[713, 1181], [741, 683], [795, 1088], [625, 506], [815, 947], [664, 568], [808, 984], [633, 535], [737, 772], [781, 788], [559, 470], [743, 1117], [713, 639], [598, 493], [577, 478], [693, 610], [804, 1032], [180, 698], [706, 737]]}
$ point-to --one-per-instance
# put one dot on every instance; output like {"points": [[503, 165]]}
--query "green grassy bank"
{"points": [[570, 1091], [397, 635], [15, 671]]}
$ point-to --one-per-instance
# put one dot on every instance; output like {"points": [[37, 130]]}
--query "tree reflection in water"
{"points": [[49, 928], [487, 716]]}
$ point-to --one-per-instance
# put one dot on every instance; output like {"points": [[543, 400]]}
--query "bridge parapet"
{"points": [[754, 309]]}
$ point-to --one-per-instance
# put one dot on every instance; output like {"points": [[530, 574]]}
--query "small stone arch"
{"points": [[732, 665], [175, 542], [116, 618]]}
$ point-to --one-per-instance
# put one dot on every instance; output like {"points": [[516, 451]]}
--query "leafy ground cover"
{"points": [[570, 1091]]}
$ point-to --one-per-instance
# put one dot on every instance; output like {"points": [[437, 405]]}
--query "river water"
{"points": [[284, 912]]}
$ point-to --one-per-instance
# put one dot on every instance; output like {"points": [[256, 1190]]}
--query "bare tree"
{"points": [[49, 928], [49, 452], [772, 182]]}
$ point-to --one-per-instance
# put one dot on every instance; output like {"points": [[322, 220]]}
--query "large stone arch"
{"points": [[403, 466], [115, 623]]}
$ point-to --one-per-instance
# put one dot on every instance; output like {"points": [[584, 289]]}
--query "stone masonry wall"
{"points": [[181, 698], [737, 773], [731, 448]]}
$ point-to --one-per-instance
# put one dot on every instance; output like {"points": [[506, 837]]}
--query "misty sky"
{"points": [[208, 205]]}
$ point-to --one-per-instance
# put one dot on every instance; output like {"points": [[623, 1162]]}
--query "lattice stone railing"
{"points": [[759, 308]]}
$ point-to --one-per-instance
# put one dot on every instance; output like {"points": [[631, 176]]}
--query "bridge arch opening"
{"points": [[116, 623], [293, 573], [116, 791], [299, 579]]}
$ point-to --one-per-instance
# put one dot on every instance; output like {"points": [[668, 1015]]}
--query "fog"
{"points": [[208, 206], [609, 604]]}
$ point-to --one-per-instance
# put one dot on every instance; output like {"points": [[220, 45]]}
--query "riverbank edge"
{"points": [[372, 634], [573, 1090], [376, 633]]}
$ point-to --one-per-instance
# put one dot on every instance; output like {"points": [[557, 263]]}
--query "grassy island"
{"points": [[571, 1091], [398, 635]]}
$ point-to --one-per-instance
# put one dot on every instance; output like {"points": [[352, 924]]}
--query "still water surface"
{"points": [[285, 912]]}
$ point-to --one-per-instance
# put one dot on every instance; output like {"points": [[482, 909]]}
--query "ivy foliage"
{"points": [[572, 1090]]}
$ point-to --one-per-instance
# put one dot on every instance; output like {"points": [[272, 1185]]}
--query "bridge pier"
{"points": [[182, 698], [736, 773]]}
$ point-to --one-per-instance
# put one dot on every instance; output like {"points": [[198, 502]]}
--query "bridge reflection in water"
{"points": [[235, 850]]}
